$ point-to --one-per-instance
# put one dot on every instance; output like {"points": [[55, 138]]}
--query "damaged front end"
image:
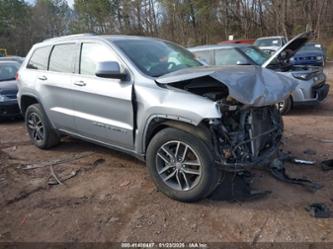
{"points": [[249, 129], [246, 137]]}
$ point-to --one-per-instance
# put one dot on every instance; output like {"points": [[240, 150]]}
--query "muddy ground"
{"points": [[111, 197]]}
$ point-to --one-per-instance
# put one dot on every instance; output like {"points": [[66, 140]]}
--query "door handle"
{"points": [[42, 77], [80, 83]]}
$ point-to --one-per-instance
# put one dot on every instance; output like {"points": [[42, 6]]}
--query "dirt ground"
{"points": [[112, 197]]}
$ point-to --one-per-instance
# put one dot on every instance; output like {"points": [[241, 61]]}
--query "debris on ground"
{"points": [[327, 165], [55, 176], [329, 141], [65, 159], [98, 162], [279, 172], [309, 152], [125, 183], [237, 187], [55, 180], [319, 210]]}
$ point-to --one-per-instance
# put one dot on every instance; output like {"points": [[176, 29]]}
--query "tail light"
{"points": [[17, 76]]}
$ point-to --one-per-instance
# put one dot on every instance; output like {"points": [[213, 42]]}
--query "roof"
{"points": [[213, 47], [91, 35], [271, 37]]}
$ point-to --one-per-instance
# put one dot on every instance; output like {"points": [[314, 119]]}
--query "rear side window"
{"points": [[91, 54], [204, 56], [229, 57], [63, 58], [39, 58]]}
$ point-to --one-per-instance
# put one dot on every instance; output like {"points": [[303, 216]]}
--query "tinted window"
{"points": [[229, 57], [203, 56], [8, 71], [268, 42], [39, 58], [63, 58], [156, 57], [91, 54], [258, 56]]}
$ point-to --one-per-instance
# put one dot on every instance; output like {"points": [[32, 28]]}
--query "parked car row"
{"points": [[311, 88]]}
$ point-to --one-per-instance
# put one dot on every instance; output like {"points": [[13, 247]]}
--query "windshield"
{"points": [[155, 57], [255, 54], [311, 47], [268, 42], [8, 71]]}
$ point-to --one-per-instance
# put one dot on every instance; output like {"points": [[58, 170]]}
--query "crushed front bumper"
{"points": [[247, 138]]}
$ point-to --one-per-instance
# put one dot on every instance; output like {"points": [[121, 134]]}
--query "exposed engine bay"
{"points": [[247, 137]]}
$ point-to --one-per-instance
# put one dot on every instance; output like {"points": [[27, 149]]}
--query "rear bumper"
{"points": [[9, 109]]}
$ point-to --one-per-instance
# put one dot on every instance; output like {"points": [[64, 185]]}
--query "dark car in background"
{"points": [[8, 89], [18, 59], [310, 54]]}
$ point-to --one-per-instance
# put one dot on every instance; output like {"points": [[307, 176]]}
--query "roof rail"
{"points": [[69, 36]]}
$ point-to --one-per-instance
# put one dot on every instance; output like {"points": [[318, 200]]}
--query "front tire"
{"points": [[182, 165], [39, 128]]}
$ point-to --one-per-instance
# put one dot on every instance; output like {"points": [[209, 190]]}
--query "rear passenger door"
{"points": [[57, 85], [103, 107]]}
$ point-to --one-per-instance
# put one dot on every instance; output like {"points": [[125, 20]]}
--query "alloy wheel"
{"points": [[36, 127], [178, 165]]}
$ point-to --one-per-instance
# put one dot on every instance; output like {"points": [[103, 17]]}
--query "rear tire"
{"points": [[39, 128], [285, 106], [188, 176]]}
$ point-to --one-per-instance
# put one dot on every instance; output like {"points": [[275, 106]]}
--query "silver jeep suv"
{"points": [[152, 99]]}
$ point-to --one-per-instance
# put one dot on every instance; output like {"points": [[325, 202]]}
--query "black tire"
{"points": [[202, 185], [45, 137], [285, 106]]}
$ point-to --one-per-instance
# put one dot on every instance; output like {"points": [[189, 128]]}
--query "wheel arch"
{"points": [[157, 124], [26, 101]]}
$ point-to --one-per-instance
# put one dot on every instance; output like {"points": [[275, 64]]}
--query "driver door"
{"points": [[102, 106]]}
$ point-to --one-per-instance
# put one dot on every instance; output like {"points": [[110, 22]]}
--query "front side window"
{"points": [[63, 58], [8, 71], [93, 53], [39, 58], [156, 57], [229, 57]]}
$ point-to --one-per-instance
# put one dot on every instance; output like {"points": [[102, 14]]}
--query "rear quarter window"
{"points": [[204, 56], [63, 58], [39, 58]]}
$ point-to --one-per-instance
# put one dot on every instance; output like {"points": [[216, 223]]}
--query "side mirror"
{"points": [[110, 69]]}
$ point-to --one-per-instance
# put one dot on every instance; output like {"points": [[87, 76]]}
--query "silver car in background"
{"points": [[311, 80], [270, 44], [152, 99]]}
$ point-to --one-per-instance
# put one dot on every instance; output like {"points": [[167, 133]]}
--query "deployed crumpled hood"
{"points": [[248, 84], [290, 48]]}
